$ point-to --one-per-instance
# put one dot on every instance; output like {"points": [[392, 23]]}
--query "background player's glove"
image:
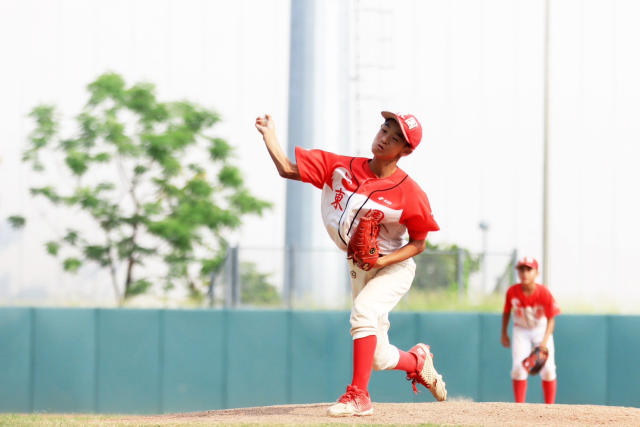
{"points": [[536, 360], [363, 246]]}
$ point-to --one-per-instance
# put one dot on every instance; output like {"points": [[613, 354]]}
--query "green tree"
{"points": [[437, 267], [147, 174], [255, 287]]}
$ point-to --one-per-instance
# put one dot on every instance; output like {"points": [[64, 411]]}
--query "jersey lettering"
{"points": [[338, 199]]}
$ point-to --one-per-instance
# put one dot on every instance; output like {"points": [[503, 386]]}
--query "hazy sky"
{"points": [[471, 71]]}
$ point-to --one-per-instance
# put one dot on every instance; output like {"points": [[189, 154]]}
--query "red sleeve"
{"points": [[507, 302], [416, 215], [315, 165], [551, 308]]}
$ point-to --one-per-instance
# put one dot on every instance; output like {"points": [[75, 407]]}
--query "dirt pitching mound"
{"points": [[460, 413]]}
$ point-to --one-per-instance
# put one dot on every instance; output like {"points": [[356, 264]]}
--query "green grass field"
{"points": [[117, 420], [54, 420]]}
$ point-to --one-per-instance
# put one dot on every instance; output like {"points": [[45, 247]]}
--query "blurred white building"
{"points": [[471, 71]]}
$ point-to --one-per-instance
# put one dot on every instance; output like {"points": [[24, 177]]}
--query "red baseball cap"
{"points": [[411, 127], [528, 262]]}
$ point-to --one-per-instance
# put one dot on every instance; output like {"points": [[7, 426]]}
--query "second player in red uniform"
{"points": [[534, 311]]}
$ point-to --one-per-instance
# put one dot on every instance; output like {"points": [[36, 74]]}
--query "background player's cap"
{"points": [[527, 261], [411, 127]]}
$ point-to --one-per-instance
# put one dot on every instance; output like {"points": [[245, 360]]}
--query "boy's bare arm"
{"points": [[286, 168], [413, 248], [551, 323], [505, 335]]}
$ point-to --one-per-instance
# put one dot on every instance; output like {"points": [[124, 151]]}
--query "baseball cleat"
{"points": [[354, 402], [426, 373]]}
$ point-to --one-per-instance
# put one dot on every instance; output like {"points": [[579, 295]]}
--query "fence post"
{"points": [[235, 278], [460, 273], [212, 282], [232, 273], [289, 281], [514, 260], [227, 274]]}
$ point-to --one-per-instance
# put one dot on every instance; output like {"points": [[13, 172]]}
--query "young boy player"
{"points": [[357, 187], [534, 311]]}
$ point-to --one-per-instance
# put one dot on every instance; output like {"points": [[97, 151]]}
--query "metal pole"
{"points": [[228, 273], [460, 262], [235, 277], [300, 212], [292, 278], [484, 226], [211, 291], [545, 174], [512, 270]]}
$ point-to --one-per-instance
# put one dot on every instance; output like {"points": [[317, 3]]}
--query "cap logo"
{"points": [[411, 123]]}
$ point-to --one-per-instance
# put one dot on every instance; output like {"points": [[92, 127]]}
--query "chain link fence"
{"points": [[318, 278]]}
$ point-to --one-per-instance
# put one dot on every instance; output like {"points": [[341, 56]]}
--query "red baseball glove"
{"points": [[363, 246], [536, 360]]}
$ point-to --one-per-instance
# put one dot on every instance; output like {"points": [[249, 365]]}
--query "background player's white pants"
{"points": [[524, 340], [374, 294]]}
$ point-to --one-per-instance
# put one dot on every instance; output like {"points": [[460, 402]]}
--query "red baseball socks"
{"points": [[363, 351], [549, 390], [408, 362], [520, 390]]}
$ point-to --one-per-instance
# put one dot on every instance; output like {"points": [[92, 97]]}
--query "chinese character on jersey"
{"points": [[338, 199]]}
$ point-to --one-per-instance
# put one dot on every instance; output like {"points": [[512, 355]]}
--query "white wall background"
{"points": [[471, 71]]}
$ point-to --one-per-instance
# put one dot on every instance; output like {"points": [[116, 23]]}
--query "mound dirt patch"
{"points": [[444, 413]]}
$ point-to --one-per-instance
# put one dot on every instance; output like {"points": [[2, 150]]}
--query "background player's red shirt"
{"points": [[350, 189], [530, 311]]}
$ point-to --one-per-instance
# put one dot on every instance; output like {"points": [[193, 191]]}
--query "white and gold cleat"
{"points": [[426, 373]]}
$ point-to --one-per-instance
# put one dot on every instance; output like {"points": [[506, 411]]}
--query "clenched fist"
{"points": [[265, 125]]}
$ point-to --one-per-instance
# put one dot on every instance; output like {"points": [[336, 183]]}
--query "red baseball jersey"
{"points": [[530, 311], [350, 189]]}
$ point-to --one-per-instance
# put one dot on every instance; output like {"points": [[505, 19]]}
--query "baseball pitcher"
{"points": [[368, 204]]}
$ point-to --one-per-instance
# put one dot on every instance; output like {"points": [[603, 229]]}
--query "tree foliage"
{"points": [[256, 289], [148, 175], [16, 221], [437, 267]]}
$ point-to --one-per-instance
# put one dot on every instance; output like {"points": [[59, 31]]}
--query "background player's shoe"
{"points": [[353, 402], [426, 373]]}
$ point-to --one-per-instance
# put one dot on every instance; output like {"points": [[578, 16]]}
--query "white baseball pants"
{"points": [[374, 294], [524, 340]]}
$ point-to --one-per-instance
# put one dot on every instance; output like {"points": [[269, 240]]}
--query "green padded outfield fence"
{"points": [[159, 361]]}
